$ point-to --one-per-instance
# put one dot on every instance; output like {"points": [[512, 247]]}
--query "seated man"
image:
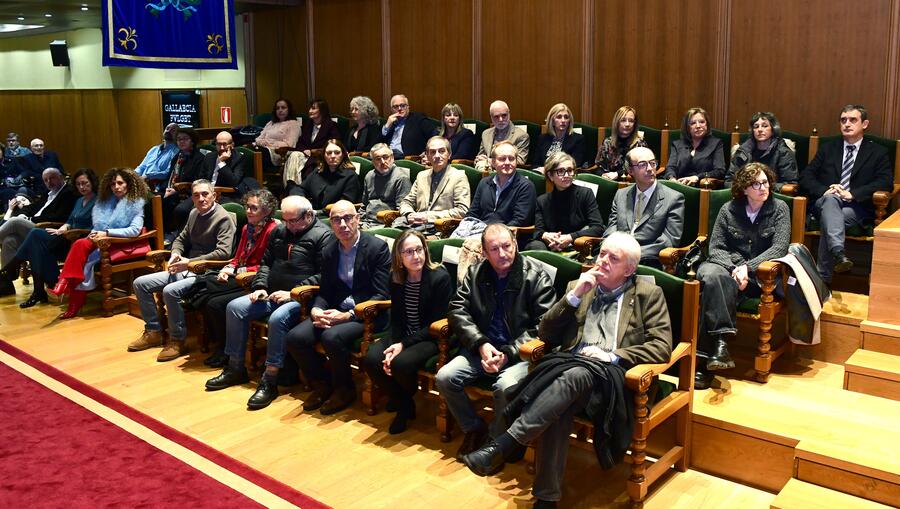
{"points": [[442, 191], [840, 182], [208, 235], [293, 258], [652, 213], [383, 188], [503, 129], [186, 166], [155, 166], [355, 268], [607, 322], [507, 197], [13, 149], [29, 169], [405, 131], [496, 310]]}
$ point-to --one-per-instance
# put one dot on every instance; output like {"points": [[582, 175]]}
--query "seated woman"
{"points": [[766, 146], [44, 249], [463, 143], [186, 166], [260, 205], [611, 162], [697, 154], [366, 132], [335, 179], [119, 212], [282, 131], [420, 295], [559, 137], [314, 134], [752, 228], [567, 212]]}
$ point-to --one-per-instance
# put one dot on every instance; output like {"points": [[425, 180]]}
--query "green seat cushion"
{"points": [[750, 306]]}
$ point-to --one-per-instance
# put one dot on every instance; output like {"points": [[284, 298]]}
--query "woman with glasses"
{"points": [[463, 143], [560, 137], [766, 146], [260, 205], [750, 229], [335, 179], [420, 295], [697, 154], [567, 212], [611, 161]]}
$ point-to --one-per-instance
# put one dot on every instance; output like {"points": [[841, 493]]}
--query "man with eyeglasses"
{"points": [[502, 130], [383, 188], [293, 258], [28, 171], [355, 268], [438, 192], [840, 182], [405, 131], [652, 213], [228, 167]]}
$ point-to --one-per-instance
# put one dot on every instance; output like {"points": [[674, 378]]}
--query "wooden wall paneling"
{"points": [[658, 58], [213, 99], [63, 130], [100, 124], [805, 60], [892, 88], [281, 56], [531, 56], [432, 71], [139, 115], [11, 118], [347, 51]]}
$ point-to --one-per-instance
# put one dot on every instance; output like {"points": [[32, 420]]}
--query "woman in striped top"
{"points": [[420, 295]]}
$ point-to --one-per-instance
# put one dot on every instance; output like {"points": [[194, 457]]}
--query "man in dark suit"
{"points": [[840, 182], [227, 167], [406, 131], [355, 268], [607, 322], [30, 168], [652, 213]]}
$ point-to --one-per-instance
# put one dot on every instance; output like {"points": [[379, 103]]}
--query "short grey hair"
{"points": [[627, 243], [380, 146], [203, 182]]}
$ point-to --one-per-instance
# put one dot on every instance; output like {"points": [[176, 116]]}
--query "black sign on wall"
{"points": [[181, 107]]}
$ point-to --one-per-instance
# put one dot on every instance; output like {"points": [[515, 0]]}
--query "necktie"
{"points": [[638, 211], [846, 167]]}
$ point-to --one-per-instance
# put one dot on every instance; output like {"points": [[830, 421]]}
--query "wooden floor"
{"points": [[347, 460]]}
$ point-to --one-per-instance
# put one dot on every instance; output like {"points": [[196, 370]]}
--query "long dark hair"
{"points": [[345, 156], [290, 116]]}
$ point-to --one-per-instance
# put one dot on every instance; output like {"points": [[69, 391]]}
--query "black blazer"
{"points": [[33, 166], [707, 162], [463, 144], [369, 135], [434, 301], [326, 187], [371, 273], [573, 211], [415, 134], [230, 175], [191, 169], [59, 209], [871, 171], [573, 144], [327, 131]]}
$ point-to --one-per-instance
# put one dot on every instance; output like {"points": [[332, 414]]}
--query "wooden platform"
{"points": [[801, 495], [874, 373]]}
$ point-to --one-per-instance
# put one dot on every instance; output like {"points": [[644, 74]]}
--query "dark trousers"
{"points": [[835, 216], [337, 342], [43, 251], [403, 382], [214, 315], [718, 304]]}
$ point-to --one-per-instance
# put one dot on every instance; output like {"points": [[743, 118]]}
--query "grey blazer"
{"points": [[661, 223], [517, 136]]}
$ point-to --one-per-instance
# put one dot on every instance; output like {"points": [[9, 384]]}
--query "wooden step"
{"points": [[862, 469], [841, 336], [874, 373], [802, 495], [880, 337]]}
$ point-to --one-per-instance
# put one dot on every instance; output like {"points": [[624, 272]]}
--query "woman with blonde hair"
{"points": [[611, 161], [697, 154], [560, 137]]}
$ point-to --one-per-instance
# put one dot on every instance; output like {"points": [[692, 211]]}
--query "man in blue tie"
{"points": [[840, 182], [406, 131]]}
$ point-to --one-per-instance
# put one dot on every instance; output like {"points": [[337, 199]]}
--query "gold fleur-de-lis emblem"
{"points": [[129, 36], [215, 43]]}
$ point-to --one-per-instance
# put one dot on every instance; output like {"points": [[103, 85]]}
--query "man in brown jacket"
{"points": [[607, 315], [442, 191]]}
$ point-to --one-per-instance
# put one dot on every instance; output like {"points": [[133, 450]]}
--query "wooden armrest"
{"points": [[355, 153], [48, 224], [201, 266], [589, 169], [304, 294], [585, 246], [105, 242], [881, 200], [789, 189], [522, 231], [244, 279], [446, 225], [467, 162], [670, 256], [157, 256], [441, 331], [387, 217], [639, 377], [533, 350], [369, 309], [182, 187], [220, 190], [710, 183]]}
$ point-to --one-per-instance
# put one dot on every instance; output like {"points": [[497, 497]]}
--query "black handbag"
{"points": [[687, 266]]}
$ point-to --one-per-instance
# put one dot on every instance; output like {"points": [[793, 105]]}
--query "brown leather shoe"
{"points": [[338, 401], [148, 339], [320, 394], [172, 350]]}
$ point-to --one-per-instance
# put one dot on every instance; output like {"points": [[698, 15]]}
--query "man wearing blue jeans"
{"points": [[497, 309], [293, 258], [208, 235]]}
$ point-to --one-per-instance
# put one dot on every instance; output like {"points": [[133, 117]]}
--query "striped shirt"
{"points": [[411, 296]]}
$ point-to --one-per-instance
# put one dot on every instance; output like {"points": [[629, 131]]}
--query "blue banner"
{"points": [[171, 34]]}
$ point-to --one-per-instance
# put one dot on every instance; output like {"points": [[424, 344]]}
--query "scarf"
{"points": [[115, 213]]}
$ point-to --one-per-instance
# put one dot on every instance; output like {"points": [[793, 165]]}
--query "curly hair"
{"points": [[137, 188], [745, 177], [367, 109], [265, 198], [90, 175]]}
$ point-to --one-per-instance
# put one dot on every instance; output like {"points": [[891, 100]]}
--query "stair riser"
{"points": [[858, 485]]}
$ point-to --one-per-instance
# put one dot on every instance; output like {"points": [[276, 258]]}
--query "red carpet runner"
{"points": [[55, 453]]}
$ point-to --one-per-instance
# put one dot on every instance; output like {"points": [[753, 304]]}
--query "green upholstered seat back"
{"points": [[889, 144], [726, 143], [717, 199], [801, 147], [673, 289], [446, 252], [261, 119], [691, 210], [533, 130], [563, 270], [476, 126], [605, 191], [540, 184], [474, 176], [591, 141], [389, 235], [653, 138], [239, 214]]}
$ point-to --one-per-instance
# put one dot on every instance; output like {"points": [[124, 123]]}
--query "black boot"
{"points": [[702, 378], [720, 358]]}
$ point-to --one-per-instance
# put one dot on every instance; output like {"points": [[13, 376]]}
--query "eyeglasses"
{"points": [[565, 172], [253, 208], [399, 106], [412, 251], [345, 219], [759, 184], [644, 165], [294, 220], [383, 157]]}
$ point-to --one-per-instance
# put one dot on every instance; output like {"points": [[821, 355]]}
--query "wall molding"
{"points": [[587, 61], [723, 66], [476, 59], [310, 52], [386, 52], [891, 86]]}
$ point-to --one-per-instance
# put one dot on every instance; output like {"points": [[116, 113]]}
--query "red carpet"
{"points": [[55, 453]]}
